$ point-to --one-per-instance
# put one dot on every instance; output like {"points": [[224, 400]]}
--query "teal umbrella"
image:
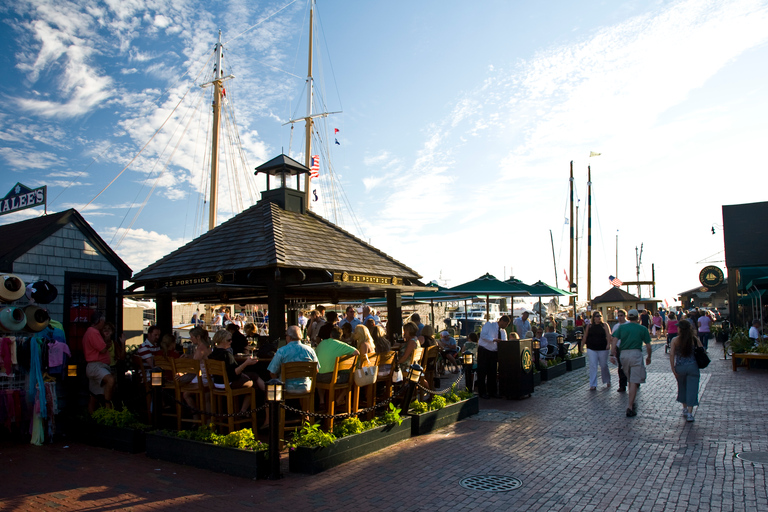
{"points": [[488, 285], [541, 289]]}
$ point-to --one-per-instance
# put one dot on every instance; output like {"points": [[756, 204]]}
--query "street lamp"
{"points": [[413, 380], [561, 346], [274, 390], [536, 346], [579, 337], [469, 375]]}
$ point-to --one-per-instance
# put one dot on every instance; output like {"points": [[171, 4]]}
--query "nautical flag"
{"points": [[615, 281], [314, 169], [335, 131], [592, 153], [666, 303], [337, 142], [566, 278]]}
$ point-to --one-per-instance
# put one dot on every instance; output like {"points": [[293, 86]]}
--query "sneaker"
{"points": [[592, 388], [634, 407], [685, 413], [631, 413], [688, 417], [621, 389]]}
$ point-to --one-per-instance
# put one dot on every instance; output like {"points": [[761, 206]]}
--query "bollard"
{"points": [[157, 402]]}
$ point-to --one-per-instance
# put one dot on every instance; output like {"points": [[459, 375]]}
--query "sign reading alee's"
{"points": [[21, 197]]}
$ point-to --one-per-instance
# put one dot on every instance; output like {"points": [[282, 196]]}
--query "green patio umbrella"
{"points": [[488, 285], [541, 289]]}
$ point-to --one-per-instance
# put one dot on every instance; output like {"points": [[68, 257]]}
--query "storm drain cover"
{"points": [[760, 457], [491, 483]]}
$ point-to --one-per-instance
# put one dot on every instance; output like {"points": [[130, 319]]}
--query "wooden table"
{"points": [[745, 357]]}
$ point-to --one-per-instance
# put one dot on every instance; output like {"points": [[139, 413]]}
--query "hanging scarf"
{"points": [[36, 383]]}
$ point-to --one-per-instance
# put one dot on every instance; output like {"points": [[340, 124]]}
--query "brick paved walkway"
{"points": [[573, 449]]}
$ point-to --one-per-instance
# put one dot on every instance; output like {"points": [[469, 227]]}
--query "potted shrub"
{"points": [[117, 430], [443, 411], [312, 450], [237, 453], [555, 368], [574, 361]]}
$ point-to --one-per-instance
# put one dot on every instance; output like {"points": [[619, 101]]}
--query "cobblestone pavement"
{"points": [[573, 449]]}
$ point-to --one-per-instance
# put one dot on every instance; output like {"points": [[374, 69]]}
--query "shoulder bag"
{"points": [[366, 375], [702, 359]]}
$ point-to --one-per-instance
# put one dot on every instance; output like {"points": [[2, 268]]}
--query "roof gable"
{"points": [[616, 295], [266, 235], [19, 237]]}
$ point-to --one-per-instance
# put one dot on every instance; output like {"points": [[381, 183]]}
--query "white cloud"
{"points": [[22, 159], [140, 248]]}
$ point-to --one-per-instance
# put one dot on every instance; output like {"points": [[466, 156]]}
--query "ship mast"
{"points": [[571, 284], [308, 119], [589, 233], [218, 95]]}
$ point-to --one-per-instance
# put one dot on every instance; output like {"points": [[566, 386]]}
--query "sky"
{"points": [[458, 122]]}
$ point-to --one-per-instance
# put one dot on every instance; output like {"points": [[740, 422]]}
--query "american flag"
{"points": [[314, 169], [615, 281]]}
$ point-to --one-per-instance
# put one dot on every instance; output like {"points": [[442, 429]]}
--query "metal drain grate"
{"points": [[759, 457], [491, 483]]}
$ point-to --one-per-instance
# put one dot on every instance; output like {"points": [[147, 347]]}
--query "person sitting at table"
{"points": [[293, 351], [410, 343], [450, 348], [235, 373], [551, 341], [363, 340], [168, 347], [328, 350], [199, 338], [427, 337], [347, 334], [239, 342], [380, 340]]}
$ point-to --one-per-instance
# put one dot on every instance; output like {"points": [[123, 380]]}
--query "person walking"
{"points": [[621, 315], [685, 368], [632, 336], [705, 322], [597, 338]]}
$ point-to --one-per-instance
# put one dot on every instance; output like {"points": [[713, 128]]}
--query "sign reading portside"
{"points": [[21, 197], [711, 276]]}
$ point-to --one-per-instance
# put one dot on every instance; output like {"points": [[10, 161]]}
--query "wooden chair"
{"points": [[370, 390], [169, 386], [298, 370], [218, 369], [138, 364], [385, 378], [343, 364], [198, 390], [428, 362]]}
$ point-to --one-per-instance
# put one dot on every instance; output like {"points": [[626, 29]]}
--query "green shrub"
{"points": [[392, 415], [437, 402], [348, 427], [311, 436], [241, 439], [419, 407], [115, 418]]}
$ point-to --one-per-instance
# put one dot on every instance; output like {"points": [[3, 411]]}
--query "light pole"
{"points": [[274, 389]]}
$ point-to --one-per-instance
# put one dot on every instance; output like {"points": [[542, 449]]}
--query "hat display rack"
{"points": [[32, 318]]}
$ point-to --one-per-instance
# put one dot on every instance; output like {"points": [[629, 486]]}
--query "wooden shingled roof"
{"points": [[267, 236], [615, 295]]}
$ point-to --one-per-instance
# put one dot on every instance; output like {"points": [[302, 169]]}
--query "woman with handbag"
{"points": [[682, 359]]}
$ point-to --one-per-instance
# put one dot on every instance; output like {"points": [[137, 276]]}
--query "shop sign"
{"points": [[526, 360], [347, 277], [711, 276], [177, 282], [21, 197]]}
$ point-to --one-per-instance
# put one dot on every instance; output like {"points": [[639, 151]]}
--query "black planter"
{"points": [[575, 363], [221, 459], [553, 371], [314, 460], [116, 438], [537, 378], [429, 421]]}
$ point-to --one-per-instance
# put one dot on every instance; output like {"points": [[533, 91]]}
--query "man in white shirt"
{"points": [[622, 316], [488, 356]]}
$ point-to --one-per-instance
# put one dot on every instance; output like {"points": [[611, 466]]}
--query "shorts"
{"points": [[341, 378], [96, 371], [633, 366]]}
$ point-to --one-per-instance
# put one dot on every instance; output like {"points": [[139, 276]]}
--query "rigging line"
{"points": [[330, 62], [157, 179], [194, 159], [146, 179], [155, 103], [202, 189], [600, 229], [278, 69], [231, 113], [262, 21], [170, 114], [231, 154]]}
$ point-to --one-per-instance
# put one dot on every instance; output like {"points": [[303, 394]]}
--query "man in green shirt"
{"points": [[328, 350], [632, 336]]}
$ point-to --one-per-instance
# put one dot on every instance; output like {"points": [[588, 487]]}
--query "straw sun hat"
{"points": [[11, 288]]}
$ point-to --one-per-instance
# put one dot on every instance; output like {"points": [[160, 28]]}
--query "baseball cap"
{"points": [[632, 313]]}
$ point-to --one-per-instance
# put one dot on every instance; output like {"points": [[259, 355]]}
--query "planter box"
{"points": [[537, 378], [429, 421], [220, 459], [314, 460], [116, 438], [575, 363], [553, 371]]}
